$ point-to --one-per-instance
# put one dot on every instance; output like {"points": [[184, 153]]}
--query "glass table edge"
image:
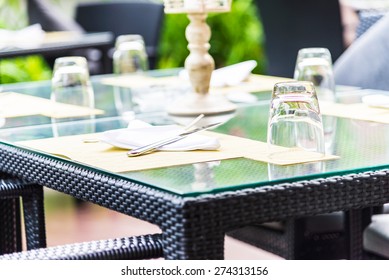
{"points": [[241, 187]]}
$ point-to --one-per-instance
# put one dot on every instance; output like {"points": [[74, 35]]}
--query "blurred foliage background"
{"points": [[236, 36], [13, 16]]}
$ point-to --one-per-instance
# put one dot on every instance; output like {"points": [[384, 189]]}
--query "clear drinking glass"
{"points": [[315, 65], [130, 54], [70, 84], [129, 57], [295, 120]]}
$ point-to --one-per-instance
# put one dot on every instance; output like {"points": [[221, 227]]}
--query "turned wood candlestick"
{"points": [[199, 64]]}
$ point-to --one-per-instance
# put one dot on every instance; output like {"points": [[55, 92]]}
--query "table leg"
{"points": [[10, 226], [356, 221], [194, 243], [34, 218]]}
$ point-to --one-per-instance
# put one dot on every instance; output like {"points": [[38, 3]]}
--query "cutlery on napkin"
{"points": [[139, 136], [231, 75], [169, 140]]}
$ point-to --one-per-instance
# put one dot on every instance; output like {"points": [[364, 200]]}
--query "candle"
{"points": [[193, 5]]}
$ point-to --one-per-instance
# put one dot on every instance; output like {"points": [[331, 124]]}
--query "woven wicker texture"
{"points": [[194, 227], [11, 190], [367, 19], [128, 248]]}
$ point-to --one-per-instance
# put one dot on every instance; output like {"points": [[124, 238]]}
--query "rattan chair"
{"points": [[369, 50], [313, 237], [16, 195], [367, 18], [128, 248], [290, 25], [143, 17]]}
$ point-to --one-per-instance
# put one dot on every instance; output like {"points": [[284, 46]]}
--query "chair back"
{"points": [[125, 17], [290, 25], [50, 17]]}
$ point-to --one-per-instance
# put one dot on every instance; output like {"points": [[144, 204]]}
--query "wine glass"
{"points": [[295, 120]]}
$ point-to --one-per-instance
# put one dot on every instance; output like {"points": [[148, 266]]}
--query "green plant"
{"points": [[236, 36], [12, 14], [20, 69]]}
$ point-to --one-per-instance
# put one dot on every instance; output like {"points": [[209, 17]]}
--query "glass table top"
{"points": [[361, 146]]}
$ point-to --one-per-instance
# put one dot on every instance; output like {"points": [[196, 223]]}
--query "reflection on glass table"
{"points": [[360, 145]]}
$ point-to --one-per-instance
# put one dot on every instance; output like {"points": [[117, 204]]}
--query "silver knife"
{"points": [[154, 146]]}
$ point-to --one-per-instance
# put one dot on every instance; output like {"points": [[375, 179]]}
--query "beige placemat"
{"points": [[14, 104], [104, 156], [356, 111], [255, 83]]}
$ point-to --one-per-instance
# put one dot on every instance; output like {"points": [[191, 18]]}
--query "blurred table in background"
{"points": [[56, 44]]}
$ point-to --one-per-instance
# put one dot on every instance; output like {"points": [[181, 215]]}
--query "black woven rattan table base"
{"points": [[194, 228]]}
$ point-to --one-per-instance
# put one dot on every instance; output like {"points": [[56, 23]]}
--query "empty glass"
{"points": [[294, 120], [130, 54], [315, 65], [129, 57], [70, 84]]}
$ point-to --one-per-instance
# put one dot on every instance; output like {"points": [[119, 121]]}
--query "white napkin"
{"points": [[228, 76], [31, 36], [140, 134]]}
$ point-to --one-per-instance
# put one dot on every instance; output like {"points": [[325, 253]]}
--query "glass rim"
{"points": [[129, 38], [294, 87], [70, 58], [315, 52]]}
